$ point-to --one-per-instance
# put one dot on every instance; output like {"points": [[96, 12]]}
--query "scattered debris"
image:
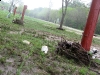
{"points": [[26, 42], [44, 49], [95, 53], [74, 51]]}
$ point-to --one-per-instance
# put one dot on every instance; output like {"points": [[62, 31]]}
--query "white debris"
{"points": [[93, 50], [93, 57], [44, 49], [26, 42], [95, 53]]}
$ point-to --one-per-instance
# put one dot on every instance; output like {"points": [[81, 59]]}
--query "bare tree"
{"points": [[49, 10], [64, 9], [13, 3]]}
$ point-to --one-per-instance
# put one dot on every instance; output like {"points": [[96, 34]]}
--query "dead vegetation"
{"points": [[76, 51], [18, 21]]}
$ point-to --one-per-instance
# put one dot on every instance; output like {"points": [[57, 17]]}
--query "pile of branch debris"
{"points": [[74, 51], [18, 21]]}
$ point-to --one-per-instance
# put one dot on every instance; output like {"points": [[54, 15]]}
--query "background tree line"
{"points": [[76, 14]]}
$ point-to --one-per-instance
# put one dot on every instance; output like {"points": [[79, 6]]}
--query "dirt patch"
{"points": [[17, 32], [10, 60], [39, 34], [49, 37], [6, 70], [13, 32], [53, 38]]}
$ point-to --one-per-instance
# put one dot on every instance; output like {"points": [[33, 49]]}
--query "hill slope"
{"points": [[18, 58]]}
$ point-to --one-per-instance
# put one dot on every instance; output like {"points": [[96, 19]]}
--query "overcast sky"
{"points": [[56, 4]]}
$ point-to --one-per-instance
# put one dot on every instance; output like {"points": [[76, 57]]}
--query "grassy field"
{"points": [[18, 58]]}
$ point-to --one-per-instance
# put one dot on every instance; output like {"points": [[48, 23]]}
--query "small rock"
{"points": [[26, 42]]}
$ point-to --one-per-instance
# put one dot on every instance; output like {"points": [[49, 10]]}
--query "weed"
{"points": [[1, 72], [3, 60], [83, 71], [42, 56], [92, 73]]}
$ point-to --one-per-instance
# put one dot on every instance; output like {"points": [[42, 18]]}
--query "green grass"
{"points": [[29, 59]]}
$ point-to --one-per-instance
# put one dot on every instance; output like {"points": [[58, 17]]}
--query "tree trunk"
{"points": [[10, 9], [62, 20], [64, 9]]}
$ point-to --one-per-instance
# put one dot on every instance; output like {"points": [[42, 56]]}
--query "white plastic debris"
{"points": [[94, 49], [44, 49], [26, 42]]}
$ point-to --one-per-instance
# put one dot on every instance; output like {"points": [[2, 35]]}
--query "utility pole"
{"points": [[90, 25]]}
